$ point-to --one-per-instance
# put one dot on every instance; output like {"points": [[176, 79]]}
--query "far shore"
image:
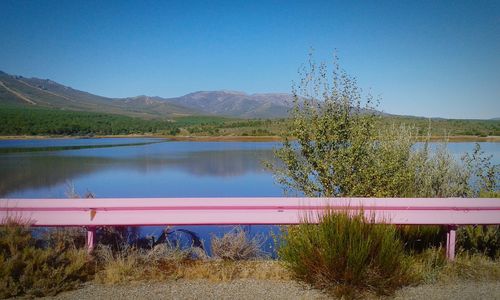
{"points": [[235, 138]]}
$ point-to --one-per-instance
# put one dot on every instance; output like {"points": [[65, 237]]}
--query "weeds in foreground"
{"points": [[236, 245], [346, 254], [471, 267], [26, 269], [431, 266], [131, 263], [480, 240], [166, 262]]}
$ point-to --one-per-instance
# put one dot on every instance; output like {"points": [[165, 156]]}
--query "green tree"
{"points": [[334, 146]]}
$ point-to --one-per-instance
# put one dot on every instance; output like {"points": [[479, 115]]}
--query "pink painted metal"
{"points": [[450, 242], [226, 211], [90, 238]]}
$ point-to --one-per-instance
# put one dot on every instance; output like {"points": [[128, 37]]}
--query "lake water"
{"points": [[149, 168]]}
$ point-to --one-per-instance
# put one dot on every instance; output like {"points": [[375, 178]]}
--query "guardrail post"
{"points": [[90, 238], [450, 242]]}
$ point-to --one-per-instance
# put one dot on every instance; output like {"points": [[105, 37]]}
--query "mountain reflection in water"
{"points": [[23, 171], [164, 169]]}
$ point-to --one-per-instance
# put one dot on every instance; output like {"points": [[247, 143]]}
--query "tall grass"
{"points": [[346, 253], [431, 266]]}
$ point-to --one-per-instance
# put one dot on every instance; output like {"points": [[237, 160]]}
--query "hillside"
{"points": [[35, 92], [237, 104]]}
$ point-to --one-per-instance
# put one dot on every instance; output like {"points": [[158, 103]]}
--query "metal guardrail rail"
{"points": [[92, 213]]}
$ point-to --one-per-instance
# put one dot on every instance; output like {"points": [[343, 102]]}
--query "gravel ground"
{"points": [[462, 290], [197, 289], [267, 289]]}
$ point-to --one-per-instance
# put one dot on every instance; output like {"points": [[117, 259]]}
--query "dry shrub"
{"points": [[116, 267], [61, 239], [236, 245], [30, 270], [167, 261], [131, 263]]}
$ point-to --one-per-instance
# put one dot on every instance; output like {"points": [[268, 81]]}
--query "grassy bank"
{"points": [[55, 261]]}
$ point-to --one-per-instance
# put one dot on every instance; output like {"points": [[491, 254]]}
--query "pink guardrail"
{"points": [[92, 213]]}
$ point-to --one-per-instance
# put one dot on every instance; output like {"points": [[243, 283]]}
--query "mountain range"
{"points": [[45, 93]]}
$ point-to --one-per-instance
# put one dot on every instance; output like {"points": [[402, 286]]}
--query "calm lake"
{"points": [[139, 167]]}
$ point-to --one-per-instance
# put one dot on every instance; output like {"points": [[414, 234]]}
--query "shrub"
{"points": [[417, 239], [480, 240], [345, 253], [26, 269], [236, 245]]}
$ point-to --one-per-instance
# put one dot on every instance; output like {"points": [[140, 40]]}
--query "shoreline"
{"points": [[234, 138]]}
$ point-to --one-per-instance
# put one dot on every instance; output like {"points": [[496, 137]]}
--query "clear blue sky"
{"points": [[426, 58]]}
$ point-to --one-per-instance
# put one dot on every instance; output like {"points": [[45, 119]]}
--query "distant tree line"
{"points": [[41, 121], [22, 121]]}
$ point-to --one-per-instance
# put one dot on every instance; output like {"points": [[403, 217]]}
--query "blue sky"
{"points": [[426, 58]]}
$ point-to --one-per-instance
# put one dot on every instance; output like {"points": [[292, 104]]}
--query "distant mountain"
{"points": [[236, 104], [35, 92], [45, 93]]}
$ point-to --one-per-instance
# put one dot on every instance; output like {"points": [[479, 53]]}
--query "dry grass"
{"points": [[236, 245], [133, 264], [431, 266], [471, 267], [236, 258], [227, 270]]}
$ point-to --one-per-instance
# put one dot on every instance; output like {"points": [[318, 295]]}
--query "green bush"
{"points": [[26, 269], [418, 239], [480, 240], [346, 253]]}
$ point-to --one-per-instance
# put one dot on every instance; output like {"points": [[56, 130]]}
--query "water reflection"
{"points": [[167, 169], [20, 172], [41, 170]]}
